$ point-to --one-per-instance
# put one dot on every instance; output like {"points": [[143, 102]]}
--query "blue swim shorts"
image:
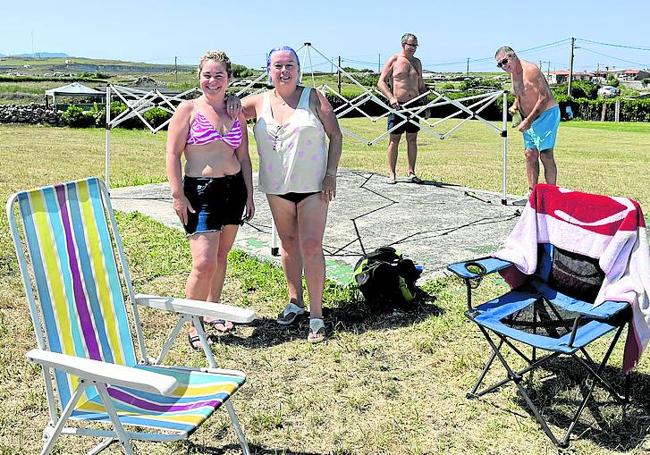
{"points": [[542, 133]]}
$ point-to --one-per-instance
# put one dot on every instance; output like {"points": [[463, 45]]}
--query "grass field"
{"points": [[392, 383]]}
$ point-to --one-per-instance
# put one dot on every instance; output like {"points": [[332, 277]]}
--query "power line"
{"points": [[624, 46], [615, 58], [490, 58]]}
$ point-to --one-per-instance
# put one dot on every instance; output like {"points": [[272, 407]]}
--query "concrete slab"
{"points": [[433, 223]]}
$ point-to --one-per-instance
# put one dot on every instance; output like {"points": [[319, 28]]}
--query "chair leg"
{"points": [[516, 378], [231, 410], [122, 437], [238, 431], [596, 378], [628, 380], [99, 448], [601, 367], [56, 431], [488, 364]]}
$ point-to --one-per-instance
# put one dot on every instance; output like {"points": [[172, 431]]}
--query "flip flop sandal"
{"points": [[316, 330], [290, 314], [415, 179], [193, 340], [220, 325], [391, 181]]}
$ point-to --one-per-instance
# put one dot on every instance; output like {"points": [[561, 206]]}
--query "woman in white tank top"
{"points": [[299, 143]]}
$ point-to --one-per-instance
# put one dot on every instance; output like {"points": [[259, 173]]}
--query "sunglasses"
{"points": [[503, 62]]}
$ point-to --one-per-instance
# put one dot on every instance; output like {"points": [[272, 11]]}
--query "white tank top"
{"points": [[293, 156]]}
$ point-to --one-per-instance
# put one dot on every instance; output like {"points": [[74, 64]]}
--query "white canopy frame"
{"points": [[412, 112], [471, 106], [137, 102], [140, 101]]}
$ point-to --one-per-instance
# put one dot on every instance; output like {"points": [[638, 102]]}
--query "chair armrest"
{"points": [[603, 311], [105, 372], [608, 309], [478, 267], [197, 308], [222, 371]]}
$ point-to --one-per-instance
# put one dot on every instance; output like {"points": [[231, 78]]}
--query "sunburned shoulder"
{"points": [[185, 108], [393, 58], [530, 68], [252, 99]]}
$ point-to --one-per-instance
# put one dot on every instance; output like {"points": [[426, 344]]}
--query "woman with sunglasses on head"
{"points": [[216, 194], [299, 144]]}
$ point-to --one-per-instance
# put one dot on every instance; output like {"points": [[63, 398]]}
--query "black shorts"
{"points": [[408, 127], [217, 201]]}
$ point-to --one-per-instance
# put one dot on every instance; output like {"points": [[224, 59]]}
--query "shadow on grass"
{"points": [[236, 448], [349, 316], [564, 384]]}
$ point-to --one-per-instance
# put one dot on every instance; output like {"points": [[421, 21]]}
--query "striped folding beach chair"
{"points": [[77, 283]]}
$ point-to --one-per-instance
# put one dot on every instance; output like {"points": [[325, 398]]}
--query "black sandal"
{"points": [[192, 339], [220, 325]]}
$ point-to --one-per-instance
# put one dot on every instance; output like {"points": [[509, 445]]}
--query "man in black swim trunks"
{"points": [[404, 71]]}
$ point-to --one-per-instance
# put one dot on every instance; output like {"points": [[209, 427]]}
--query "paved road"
{"points": [[433, 224]]}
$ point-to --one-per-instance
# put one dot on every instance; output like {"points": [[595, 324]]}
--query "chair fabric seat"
{"points": [[193, 401], [492, 313]]}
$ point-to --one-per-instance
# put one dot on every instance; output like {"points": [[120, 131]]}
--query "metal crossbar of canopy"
{"points": [[138, 102], [467, 108]]}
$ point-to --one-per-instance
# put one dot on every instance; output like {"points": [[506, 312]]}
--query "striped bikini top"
{"points": [[202, 132]]}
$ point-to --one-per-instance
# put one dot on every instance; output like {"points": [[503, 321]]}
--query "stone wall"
{"points": [[30, 113]]}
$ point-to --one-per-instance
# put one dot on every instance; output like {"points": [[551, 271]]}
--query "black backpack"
{"points": [[386, 279]]}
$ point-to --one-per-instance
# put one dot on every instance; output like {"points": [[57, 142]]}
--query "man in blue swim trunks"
{"points": [[539, 111]]}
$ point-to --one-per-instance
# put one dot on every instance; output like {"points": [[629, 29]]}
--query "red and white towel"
{"points": [[611, 229]]}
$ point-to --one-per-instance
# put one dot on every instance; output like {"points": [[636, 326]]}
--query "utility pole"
{"points": [[176, 69], [468, 66], [339, 74], [379, 63], [573, 44]]}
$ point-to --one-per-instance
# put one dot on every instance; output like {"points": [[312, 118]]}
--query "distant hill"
{"points": [[39, 55]]}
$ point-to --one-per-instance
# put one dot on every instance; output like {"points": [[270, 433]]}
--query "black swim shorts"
{"points": [[408, 127], [217, 201]]}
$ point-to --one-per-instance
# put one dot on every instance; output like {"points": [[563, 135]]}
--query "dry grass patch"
{"points": [[391, 383]]}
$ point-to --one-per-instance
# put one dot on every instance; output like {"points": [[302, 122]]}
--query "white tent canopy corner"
{"points": [[73, 89]]}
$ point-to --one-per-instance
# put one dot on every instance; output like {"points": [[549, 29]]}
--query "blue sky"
{"points": [[361, 32]]}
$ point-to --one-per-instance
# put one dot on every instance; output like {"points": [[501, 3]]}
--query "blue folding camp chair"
{"points": [[77, 281], [543, 317]]}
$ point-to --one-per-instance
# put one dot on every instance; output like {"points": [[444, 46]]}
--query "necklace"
{"points": [[279, 98]]}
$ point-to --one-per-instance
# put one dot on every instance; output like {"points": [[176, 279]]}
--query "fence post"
{"points": [[339, 81], [617, 111]]}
